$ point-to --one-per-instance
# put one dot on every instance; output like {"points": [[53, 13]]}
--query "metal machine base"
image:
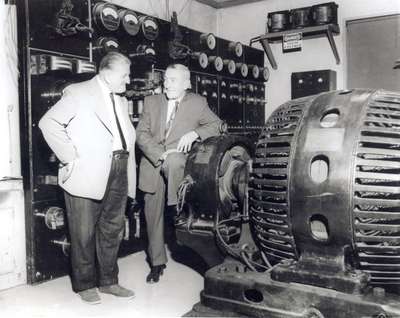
{"points": [[231, 291]]}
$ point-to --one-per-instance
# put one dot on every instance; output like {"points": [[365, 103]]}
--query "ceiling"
{"points": [[225, 3]]}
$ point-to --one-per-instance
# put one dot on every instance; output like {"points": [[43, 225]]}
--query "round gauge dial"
{"points": [[223, 127], [130, 21], [203, 60], [209, 40], [145, 49], [106, 16], [231, 66], [236, 48], [255, 71], [107, 44], [218, 64], [265, 72], [244, 70], [149, 27]]}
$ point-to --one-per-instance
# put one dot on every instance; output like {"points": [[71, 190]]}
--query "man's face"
{"points": [[175, 83], [118, 77]]}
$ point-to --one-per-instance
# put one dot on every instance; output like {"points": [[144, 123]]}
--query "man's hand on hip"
{"points": [[186, 141]]}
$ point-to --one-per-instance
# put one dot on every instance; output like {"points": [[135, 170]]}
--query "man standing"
{"points": [[90, 132], [168, 126]]}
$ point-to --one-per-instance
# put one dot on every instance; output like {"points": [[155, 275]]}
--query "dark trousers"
{"points": [[96, 229], [170, 177]]}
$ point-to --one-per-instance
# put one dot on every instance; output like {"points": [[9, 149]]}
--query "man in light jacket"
{"points": [[90, 132]]}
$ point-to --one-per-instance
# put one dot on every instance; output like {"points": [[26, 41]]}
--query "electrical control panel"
{"points": [[61, 42]]}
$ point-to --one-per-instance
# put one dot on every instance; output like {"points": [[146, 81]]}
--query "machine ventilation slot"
{"points": [[376, 201], [269, 183]]}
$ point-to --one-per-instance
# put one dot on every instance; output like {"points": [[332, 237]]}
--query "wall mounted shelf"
{"points": [[308, 32]]}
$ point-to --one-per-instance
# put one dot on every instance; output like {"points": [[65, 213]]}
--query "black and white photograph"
{"points": [[200, 158]]}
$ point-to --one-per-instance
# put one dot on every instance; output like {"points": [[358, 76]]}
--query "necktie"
{"points": [[168, 126], [118, 124]]}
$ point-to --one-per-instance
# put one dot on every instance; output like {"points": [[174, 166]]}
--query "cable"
{"points": [[183, 189], [247, 261], [265, 259]]}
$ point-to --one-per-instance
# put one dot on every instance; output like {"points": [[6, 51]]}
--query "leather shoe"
{"points": [[155, 273], [90, 296], [117, 291]]}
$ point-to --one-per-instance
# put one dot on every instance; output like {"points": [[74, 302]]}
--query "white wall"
{"points": [[244, 22], [12, 217], [191, 14]]}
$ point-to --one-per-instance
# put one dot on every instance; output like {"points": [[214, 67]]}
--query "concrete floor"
{"points": [[175, 294]]}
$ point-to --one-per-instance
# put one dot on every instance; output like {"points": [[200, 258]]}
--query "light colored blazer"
{"points": [[193, 114], [78, 130]]}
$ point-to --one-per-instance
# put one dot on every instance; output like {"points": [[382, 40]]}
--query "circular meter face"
{"points": [[106, 15], [150, 50], [255, 71], [265, 73], [149, 28], [239, 49], [203, 60], [244, 70], [231, 67], [108, 44], [130, 22], [223, 127], [218, 63], [111, 44], [211, 41]]}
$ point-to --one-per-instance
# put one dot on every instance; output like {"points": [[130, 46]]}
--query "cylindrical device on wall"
{"points": [[54, 217], [244, 70], [105, 16], [235, 48], [301, 17], [255, 71], [208, 40], [217, 62], [278, 21], [230, 65], [201, 57], [325, 13], [149, 27], [129, 21], [265, 73], [104, 45], [63, 243]]}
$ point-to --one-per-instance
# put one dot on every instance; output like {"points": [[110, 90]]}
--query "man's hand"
{"points": [[186, 141], [69, 167], [166, 153]]}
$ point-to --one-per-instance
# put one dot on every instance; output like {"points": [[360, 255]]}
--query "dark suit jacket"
{"points": [[193, 114]]}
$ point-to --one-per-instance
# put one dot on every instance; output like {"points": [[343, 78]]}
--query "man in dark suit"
{"points": [[90, 132], [169, 125]]}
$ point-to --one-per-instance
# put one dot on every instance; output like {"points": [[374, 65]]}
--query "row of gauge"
{"points": [[108, 18], [148, 41]]}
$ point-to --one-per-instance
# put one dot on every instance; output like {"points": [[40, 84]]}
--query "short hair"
{"points": [[185, 71], [112, 58]]}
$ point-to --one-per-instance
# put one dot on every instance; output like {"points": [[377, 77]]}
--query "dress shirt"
{"points": [[117, 145]]}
